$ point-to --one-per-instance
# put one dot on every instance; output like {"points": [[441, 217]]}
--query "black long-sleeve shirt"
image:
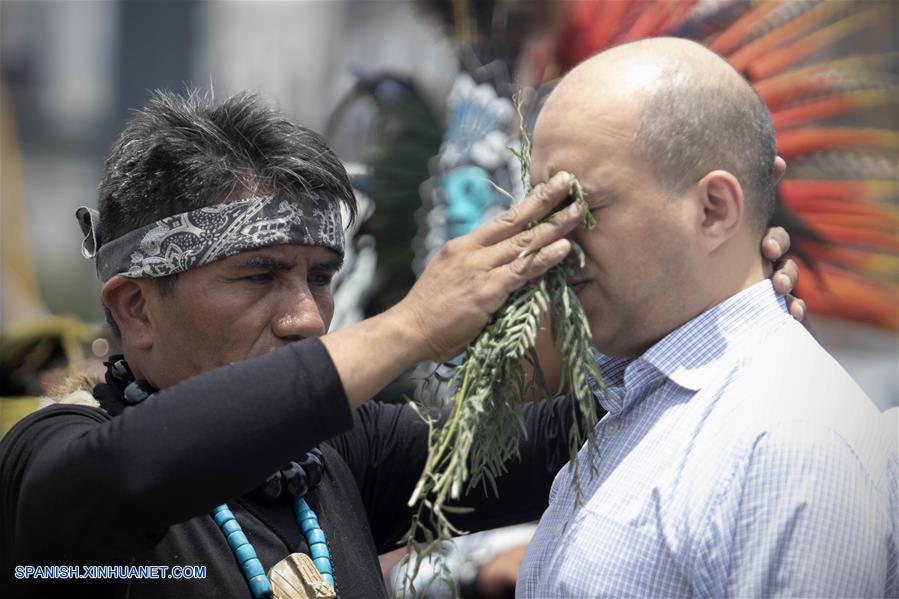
{"points": [[82, 487]]}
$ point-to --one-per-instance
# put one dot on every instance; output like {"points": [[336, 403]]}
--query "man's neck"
{"points": [[729, 278], [720, 281]]}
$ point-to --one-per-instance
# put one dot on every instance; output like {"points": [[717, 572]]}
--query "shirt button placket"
{"points": [[611, 428]]}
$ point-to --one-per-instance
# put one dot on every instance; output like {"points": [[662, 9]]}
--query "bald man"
{"points": [[737, 457]]}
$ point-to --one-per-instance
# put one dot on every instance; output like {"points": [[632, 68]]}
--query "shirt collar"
{"points": [[612, 370], [691, 355]]}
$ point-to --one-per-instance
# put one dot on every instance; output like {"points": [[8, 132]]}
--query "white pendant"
{"points": [[296, 577]]}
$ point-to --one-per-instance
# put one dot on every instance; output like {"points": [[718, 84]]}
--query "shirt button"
{"points": [[611, 428]]}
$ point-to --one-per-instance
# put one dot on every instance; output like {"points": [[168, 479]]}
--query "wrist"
{"points": [[370, 354], [407, 331]]}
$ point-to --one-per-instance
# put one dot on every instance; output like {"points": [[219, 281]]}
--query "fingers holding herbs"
{"points": [[531, 253], [539, 203], [473, 275]]}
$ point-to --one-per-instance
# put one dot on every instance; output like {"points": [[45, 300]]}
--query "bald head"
{"points": [[692, 114], [653, 63]]}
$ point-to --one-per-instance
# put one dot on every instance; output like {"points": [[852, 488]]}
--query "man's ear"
{"points": [[780, 167], [127, 301], [721, 208]]}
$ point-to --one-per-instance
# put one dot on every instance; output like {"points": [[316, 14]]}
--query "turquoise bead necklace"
{"points": [[297, 478], [245, 554]]}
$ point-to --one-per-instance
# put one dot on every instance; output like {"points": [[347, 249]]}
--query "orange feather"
{"points": [[859, 237], [829, 107], [777, 60], [792, 143], [734, 35], [808, 20], [841, 293], [842, 191]]}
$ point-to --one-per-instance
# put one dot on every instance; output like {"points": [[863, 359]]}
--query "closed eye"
{"points": [[322, 273], [321, 278], [263, 277]]}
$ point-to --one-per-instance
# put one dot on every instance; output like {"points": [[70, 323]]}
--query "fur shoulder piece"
{"points": [[80, 397]]}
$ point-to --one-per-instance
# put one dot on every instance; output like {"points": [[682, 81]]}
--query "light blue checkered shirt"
{"points": [[737, 459]]}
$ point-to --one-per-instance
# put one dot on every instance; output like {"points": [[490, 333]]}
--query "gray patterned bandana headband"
{"points": [[191, 239]]}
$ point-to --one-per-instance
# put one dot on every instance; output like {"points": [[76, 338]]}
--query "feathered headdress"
{"points": [[835, 119]]}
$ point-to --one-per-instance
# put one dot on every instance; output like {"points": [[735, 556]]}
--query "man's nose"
{"points": [[300, 318]]}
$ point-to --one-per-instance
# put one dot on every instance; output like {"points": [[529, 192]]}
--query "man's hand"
{"points": [[453, 299], [498, 576], [473, 275], [775, 245]]}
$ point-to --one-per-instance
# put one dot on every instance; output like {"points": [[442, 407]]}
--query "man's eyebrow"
{"points": [[263, 262], [334, 264]]}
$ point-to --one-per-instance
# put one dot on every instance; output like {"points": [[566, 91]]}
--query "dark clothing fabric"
{"points": [[82, 487]]}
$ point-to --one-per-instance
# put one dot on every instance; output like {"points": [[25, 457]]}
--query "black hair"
{"points": [[184, 152]]}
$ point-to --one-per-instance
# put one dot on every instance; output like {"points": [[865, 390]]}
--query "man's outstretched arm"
{"points": [[453, 299]]}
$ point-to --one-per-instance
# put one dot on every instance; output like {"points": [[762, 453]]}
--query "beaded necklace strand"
{"points": [[245, 554], [298, 479]]}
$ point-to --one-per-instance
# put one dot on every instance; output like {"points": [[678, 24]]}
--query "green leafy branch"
{"points": [[485, 425]]}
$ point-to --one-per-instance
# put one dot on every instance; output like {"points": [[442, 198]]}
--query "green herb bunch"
{"points": [[486, 423]]}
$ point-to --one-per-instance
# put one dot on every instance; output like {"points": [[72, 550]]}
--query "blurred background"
{"points": [[416, 97]]}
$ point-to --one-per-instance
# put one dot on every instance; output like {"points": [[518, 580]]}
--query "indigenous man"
{"points": [[736, 458], [234, 431]]}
